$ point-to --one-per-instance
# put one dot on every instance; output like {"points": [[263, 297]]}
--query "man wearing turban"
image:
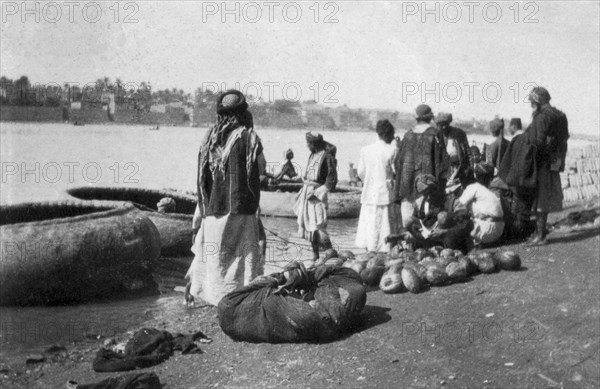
{"points": [[422, 151], [311, 205], [226, 223]]}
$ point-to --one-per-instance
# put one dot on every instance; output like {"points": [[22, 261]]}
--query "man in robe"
{"points": [[311, 205], [421, 152], [548, 132], [378, 216], [226, 223]]}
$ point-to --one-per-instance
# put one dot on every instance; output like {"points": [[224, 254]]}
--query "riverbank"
{"points": [[534, 328]]}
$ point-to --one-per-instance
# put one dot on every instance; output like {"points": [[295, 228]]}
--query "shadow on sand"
{"points": [[575, 236]]}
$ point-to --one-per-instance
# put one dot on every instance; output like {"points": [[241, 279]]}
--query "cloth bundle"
{"points": [[148, 347], [315, 305]]}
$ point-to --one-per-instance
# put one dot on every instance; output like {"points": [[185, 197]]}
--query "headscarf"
{"points": [[496, 126], [314, 138], [443, 117], [516, 123], [424, 112], [539, 95], [232, 119]]}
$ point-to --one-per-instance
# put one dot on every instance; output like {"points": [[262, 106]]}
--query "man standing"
{"points": [[226, 223], [548, 132], [422, 151], [457, 147], [378, 217], [311, 205], [496, 150], [515, 127]]}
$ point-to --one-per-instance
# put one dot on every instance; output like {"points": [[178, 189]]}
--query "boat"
{"points": [[175, 228], [72, 252], [278, 200]]}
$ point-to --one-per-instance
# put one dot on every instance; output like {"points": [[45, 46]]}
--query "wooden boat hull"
{"points": [[175, 228], [71, 252], [344, 201]]}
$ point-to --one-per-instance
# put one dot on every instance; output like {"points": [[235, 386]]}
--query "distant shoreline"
{"points": [[574, 136]]}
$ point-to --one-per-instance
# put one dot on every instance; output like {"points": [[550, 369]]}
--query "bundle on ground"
{"points": [[314, 305]]}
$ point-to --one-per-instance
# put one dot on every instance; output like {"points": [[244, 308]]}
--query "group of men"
{"points": [[430, 188]]}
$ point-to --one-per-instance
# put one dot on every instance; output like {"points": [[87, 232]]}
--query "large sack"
{"points": [[265, 312]]}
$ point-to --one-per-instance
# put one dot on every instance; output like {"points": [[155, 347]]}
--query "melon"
{"points": [[346, 254], [392, 262], [447, 253], [355, 265], [485, 263], [445, 261], [470, 266], [419, 269], [436, 250], [436, 275], [420, 254], [411, 280], [372, 276], [391, 281], [407, 256], [457, 271], [458, 253], [395, 252], [509, 260], [378, 260]]}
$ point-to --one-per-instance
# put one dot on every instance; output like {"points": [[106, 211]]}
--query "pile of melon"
{"points": [[401, 271]]}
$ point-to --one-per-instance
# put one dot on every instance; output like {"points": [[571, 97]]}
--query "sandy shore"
{"points": [[536, 328]]}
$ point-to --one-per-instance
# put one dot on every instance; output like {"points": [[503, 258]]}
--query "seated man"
{"points": [[431, 225], [288, 171], [486, 212], [354, 177], [452, 231]]}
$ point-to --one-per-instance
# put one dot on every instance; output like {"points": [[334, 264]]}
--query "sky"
{"points": [[478, 59]]}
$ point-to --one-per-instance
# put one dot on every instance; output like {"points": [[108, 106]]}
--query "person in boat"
{"points": [[226, 248], [311, 205], [288, 170], [166, 205], [422, 151], [378, 212], [548, 133], [354, 178]]}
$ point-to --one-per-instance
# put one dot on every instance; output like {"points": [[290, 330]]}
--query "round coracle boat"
{"points": [[279, 200], [174, 224], [71, 252]]}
